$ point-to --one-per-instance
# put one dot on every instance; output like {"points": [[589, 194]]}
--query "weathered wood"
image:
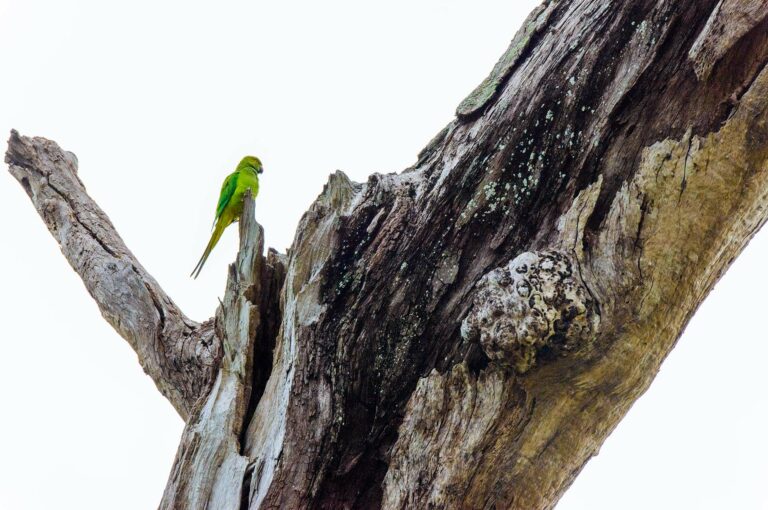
{"points": [[179, 354], [210, 469], [467, 333], [599, 143]]}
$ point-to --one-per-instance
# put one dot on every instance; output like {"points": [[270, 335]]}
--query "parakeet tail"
{"points": [[217, 231]]}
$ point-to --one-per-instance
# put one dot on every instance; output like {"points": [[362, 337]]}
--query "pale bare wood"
{"points": [[210, 468], [179, 354]]}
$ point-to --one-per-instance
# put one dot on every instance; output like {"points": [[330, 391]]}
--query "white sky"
{"points": [[159, 100]]}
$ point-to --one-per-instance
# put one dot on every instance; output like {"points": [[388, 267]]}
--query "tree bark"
{"points": [[467, 333], [179, 354]]}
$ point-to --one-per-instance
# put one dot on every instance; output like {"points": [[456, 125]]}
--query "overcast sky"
{"points": [[159, 100]]}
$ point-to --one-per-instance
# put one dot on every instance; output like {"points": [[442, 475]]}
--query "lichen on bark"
{"points": [[534, 307]]}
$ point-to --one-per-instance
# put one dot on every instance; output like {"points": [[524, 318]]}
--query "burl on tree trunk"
{"points": [[464, 334]]}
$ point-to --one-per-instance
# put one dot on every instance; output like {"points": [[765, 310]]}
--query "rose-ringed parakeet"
{"points": [[230, 206]]}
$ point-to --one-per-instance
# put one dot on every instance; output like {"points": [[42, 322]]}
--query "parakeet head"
{"points": [[251, 162]]}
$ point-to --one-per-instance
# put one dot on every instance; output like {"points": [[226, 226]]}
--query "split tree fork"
{"points": [[464, 334]]}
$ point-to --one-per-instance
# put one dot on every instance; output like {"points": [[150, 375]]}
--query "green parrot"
{"points": [[230, 206]]}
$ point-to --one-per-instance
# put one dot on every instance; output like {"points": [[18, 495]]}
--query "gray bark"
{"points": [[467, 333], [179, 354]]}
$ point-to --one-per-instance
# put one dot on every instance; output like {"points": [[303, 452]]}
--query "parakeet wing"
{"points": [[227, 190]]}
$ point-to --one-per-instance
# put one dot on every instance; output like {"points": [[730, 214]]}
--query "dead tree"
{"points": [[464, 334]]}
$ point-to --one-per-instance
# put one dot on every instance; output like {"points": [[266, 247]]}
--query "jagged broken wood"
{"points": [[467, 333]]}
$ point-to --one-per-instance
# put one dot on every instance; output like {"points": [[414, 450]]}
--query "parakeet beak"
{"points": [[260, 170]]}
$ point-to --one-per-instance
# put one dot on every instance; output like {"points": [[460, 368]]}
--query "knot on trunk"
{"points": [[535, 307]]}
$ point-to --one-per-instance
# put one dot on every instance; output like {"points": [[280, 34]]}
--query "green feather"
{"points": [[227, 190], [230, 205]]}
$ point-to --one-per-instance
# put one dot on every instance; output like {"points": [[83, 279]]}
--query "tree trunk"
{"points": [[467, 333]]}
